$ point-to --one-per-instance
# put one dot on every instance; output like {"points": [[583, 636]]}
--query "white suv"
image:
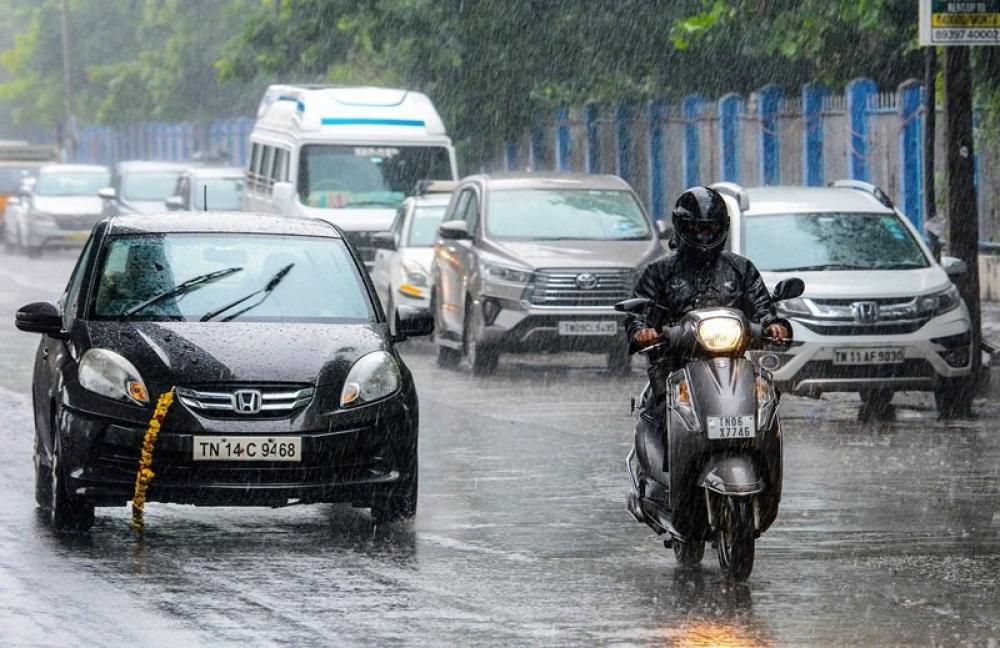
{"points": [[879, 314]]}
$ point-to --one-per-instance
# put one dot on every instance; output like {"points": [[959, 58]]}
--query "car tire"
{"points": [[401, 504], [619, 360], [953, 398], [876, 405], [67, 511], [483, 359]]}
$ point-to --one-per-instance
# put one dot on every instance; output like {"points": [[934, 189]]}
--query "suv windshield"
{"points": [[566, 214], [71, 183], [366, 176], [830, 241], [317, 279], [424, 225], [149, 185]]}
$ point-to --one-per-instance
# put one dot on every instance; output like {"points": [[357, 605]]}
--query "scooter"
{"points": [[714, 472]]}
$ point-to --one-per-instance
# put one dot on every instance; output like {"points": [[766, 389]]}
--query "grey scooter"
{"points": [[714, 472]]}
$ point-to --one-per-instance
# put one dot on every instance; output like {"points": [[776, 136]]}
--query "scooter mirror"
{"points": [[789, 289], [636, 305]]}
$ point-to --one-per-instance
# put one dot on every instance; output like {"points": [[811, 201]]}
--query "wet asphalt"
{"points": [[889, 533]]}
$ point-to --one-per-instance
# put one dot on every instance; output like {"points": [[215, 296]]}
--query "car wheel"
{"points": [[482, 358], [619, 360], [953, 398], [401, 504], [876, 405], [43, 478], [67, 512]]}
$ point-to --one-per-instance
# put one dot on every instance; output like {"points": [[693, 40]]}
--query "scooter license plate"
{"points": [[731, 427]]}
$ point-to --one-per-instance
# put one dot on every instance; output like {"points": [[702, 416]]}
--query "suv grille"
{"points": [[892, 316], [239, 401], [581, 287]]}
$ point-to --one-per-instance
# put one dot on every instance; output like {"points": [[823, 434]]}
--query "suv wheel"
{"points": [[447, 358], [482, 358], [876, 405], [953, 398]]}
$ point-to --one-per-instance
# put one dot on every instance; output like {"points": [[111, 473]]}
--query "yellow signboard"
{"points": [[943, 22]]}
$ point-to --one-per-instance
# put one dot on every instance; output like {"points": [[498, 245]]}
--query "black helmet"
{"points": [[701, 221]]}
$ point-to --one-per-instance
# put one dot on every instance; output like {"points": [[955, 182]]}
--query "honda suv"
{"points": [[879, 314], [532, 262]]}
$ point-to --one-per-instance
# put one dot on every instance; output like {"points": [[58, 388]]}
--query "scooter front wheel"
{"points": [[735, 537]]}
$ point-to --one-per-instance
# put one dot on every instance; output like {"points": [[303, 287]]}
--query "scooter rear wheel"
{"points": [[689, 554], [735, 538]]}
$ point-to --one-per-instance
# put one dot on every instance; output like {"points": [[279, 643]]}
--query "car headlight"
{"points": [[415, 279], [793, 307], [720, 333], [940, 303], [107, 373], [496, 272], [373, 376]]}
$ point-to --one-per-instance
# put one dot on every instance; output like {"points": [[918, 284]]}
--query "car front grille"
{"points": [[601, 287], [274, 401], [892, 316]]}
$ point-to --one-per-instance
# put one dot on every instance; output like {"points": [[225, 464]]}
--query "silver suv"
{"points": [[535, 262]]}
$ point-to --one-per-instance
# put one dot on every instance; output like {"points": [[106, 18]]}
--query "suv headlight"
{"points": [[793, 306], [940, 303], [415, 278], [108, 374], [496, 272], [373, 376], [720, 333]]}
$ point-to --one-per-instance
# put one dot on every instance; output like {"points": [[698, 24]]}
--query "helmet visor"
{"points": [[701, 234]]}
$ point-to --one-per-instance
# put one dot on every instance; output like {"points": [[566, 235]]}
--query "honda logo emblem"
{"points": [[865, 312], [247, 401], [586, 280]]}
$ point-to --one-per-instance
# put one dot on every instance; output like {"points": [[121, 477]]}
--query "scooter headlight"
{"points": [[720, 334]]}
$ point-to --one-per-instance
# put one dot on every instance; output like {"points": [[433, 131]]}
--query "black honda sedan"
{"points": [[288, 385]]}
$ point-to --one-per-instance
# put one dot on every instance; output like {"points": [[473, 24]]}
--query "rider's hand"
{"points": [[778, 332], [644, 337]]}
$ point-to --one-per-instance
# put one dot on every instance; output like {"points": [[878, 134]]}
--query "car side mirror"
{"points": [[454, 231], [413, 322], [108, 193], [665, 229], [789, 289], [953, 266], [384, 241], [634, 305], [40, 317], [283, 194], [174, 203]]}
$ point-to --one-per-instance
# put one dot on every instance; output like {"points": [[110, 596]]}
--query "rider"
{"points": [[701, 274]]}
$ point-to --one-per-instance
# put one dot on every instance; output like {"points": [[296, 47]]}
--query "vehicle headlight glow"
{"points": [[940, 303], [793, 306], [496, 272], [108, 374], [373, 376], [720, 333]]}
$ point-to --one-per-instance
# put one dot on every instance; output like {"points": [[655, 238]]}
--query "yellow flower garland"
{"points": [[145, 473]]}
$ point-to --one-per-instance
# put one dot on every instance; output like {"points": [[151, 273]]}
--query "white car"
{"points": [[404, 254], [879, 314]]}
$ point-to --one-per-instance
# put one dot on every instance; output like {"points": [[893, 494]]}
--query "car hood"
{"points": [[866, 284], [353, 220], [67, 205], [577, 254], [178, 353]]}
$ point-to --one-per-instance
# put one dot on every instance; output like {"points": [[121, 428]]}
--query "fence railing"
{"points": [[165, 141]]}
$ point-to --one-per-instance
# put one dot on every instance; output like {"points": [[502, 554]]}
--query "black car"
{"points": [[288, 385]]}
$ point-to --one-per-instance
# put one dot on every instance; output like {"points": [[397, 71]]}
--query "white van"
{"points": [[345, 155]]}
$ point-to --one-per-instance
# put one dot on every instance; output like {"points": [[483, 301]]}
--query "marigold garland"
{"points": [[145, 473]]}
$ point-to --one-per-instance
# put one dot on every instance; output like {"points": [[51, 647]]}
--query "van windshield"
{"points": [[338, 176]]}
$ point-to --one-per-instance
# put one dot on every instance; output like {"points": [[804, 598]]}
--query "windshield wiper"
{"points": [[194, 283], [824, 266], [264, 292]]}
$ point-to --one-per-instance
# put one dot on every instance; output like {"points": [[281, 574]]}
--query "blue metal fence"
{"points": [[163, 141]]}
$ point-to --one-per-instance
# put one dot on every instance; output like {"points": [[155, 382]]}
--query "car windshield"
{"points": [[149, 185], [321, 283], [72, 183], [424, 225], [332, 177], [223, 194], [12, 177], [567, 214], [830, 241]]}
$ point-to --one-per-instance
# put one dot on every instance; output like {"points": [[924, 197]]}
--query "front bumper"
{"points": [[939, 350], [43, 234], [356, 460], [520, 327]]}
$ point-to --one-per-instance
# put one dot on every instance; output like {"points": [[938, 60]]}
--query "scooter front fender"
{"points": [[731, 475]]}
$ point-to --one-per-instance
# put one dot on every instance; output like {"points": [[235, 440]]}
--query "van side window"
{"points": [[279, 173], [265, 170], [254, 165]]}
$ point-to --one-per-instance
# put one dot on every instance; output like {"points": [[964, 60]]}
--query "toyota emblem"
{"points": [[586, 280], [247, 401]]}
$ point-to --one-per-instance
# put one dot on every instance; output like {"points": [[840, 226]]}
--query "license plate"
{"points": [[872, 356], [247, 448], [731, 427], [588, 328]]}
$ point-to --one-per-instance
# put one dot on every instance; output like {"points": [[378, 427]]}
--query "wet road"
{"points": [[888, 534]]}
